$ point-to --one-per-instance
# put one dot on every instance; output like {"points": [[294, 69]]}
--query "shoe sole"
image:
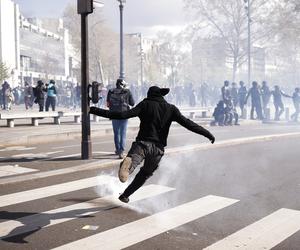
{"points": [[124, 169], [124, 200]]}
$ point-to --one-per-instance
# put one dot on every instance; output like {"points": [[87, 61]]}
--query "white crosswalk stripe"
{"points": [[35, 155], [263, 234], [39, 193], [14, 170], [140, 230], [64, 214], [17, 148]]}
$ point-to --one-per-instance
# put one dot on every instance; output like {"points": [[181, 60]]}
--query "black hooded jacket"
{"points": [[156, 116]]}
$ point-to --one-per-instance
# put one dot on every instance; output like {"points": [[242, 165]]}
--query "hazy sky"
{"points": [[140, 15]]}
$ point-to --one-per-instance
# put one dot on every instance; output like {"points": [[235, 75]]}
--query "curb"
{"points": [[71, 135], [63, 136]]}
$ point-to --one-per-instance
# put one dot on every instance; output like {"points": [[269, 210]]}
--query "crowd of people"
{"points": [[68, 94], [43, 94], [234, 97]]}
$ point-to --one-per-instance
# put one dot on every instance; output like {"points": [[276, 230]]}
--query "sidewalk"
{"points": [[25, 134]]}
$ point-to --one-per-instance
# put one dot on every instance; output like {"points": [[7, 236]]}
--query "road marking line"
{"points": [[143, 229], [45, 174], [64, 214], [39, 193], [263, 234], [33, 156], [17, 148], [13, 170]]}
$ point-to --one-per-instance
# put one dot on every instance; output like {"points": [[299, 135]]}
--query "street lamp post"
{"points": [[86, 145], [142, 59], [85, 7], [122, 70], [248, 11]]}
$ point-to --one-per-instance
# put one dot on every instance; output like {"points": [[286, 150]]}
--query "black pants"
{"points": [[257, 107], [51, 100], [41, 103], [151, 154]]}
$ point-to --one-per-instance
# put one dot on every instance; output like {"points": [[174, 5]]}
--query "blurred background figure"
{"points": [[120, 99]]}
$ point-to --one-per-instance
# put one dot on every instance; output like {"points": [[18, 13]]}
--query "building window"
{"points": [[25, 62]]}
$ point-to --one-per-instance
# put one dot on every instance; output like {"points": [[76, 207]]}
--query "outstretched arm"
{"points": [[192, 126], [285, 95], [117, 115]]}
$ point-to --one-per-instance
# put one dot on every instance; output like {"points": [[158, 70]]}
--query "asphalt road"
{"points": [[245, 193]]}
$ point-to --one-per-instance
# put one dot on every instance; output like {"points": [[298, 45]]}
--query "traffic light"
{"points": [[95, 92], [85, 6]]}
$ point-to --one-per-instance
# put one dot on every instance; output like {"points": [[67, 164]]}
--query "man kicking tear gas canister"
{"points": [[156, 116]]}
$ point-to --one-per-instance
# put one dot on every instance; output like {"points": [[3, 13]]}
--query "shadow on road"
{"points": [[31, 223]]}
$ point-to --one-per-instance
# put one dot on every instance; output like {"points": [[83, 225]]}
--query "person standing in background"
{"points": [[255, 94], [119, 99], [296, 101], [39, 93], [234, 94], [51, 95], [278, 103], [266, 95], [242, 93], [28, 93], [5, 94]]}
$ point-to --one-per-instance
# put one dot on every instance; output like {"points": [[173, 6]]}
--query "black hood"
{"points": [[155, 91]]}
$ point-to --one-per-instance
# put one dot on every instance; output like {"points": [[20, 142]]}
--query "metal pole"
{"points": [[142, 60], [122, 72], [249, 43], [86, 145]]}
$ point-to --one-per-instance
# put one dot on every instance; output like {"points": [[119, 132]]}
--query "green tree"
{"points": [[4, 74]]}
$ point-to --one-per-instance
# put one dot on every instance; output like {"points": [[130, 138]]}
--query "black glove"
{"points": [[212, 139], [92, 110]]}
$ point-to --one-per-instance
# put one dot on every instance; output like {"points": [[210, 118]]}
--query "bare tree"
{"points": [[228, 20], [171, 55], [283, 50]]}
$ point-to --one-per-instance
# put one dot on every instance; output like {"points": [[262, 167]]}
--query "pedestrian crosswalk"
{"points": [[9, 170], [266, 233], [53, 217], [44, 192], [134, 232], [263, 234]]}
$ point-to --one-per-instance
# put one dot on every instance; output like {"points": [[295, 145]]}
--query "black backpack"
{"points": [[118, 100]]}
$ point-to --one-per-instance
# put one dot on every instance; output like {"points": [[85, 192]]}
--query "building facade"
{"points": [[34, 48]]}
